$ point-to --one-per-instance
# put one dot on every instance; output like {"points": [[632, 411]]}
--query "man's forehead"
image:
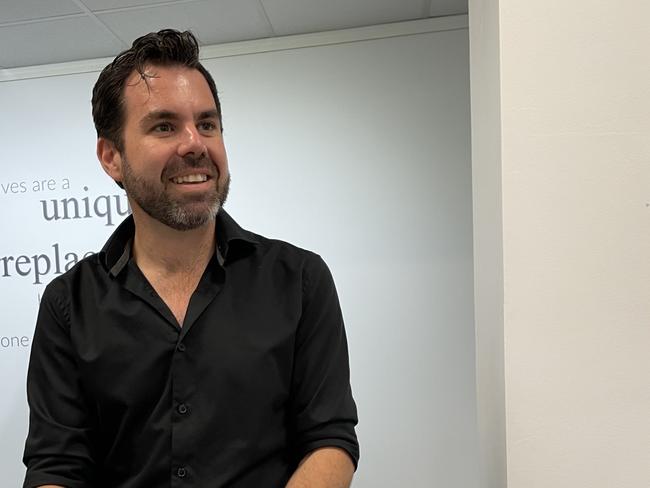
{"points": [[166, 84], [154, 75]]}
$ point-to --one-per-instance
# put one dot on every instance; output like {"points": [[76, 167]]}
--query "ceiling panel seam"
{"points": [[141, 7], [101, 24], [266, 16], [256, 46], [41, 19]]}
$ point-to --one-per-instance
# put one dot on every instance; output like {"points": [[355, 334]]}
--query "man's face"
{"points": [[174, 165]]}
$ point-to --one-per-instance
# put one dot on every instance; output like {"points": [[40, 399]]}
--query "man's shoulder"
{"points": [[279, 256], [284, 251], [280, 245], [266, 248], [86, 270]]}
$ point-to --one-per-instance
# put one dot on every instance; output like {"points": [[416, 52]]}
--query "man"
{"points": [[189, 351]]}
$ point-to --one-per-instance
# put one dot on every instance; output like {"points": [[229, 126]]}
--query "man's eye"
{"points": [[207, 126], [162, 128]]}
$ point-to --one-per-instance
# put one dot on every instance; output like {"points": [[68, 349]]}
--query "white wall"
{"points": [[575, 116], [488, 241], [358, 150]]}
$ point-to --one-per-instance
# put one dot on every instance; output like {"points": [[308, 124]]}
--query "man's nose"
{"points": [[191, 142]]}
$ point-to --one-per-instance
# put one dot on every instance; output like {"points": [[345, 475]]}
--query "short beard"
{"points": [[189, 214]]}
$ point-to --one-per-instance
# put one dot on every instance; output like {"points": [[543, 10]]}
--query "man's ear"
{"points": [[110, 159]]}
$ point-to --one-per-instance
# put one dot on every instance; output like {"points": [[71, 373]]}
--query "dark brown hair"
{"points": [[167, 47]]}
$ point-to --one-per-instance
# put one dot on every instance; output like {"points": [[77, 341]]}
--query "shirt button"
{"points": [[181, 472], [182, 409], [181, 347]]}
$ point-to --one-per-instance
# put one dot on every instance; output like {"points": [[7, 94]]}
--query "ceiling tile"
{"points": [[62, 42], [447, 7], [16, 10], [213, 21], [297, 17], [95, 5]]}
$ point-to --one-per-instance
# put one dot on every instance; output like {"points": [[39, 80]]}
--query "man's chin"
{"points": [[191, 216]]}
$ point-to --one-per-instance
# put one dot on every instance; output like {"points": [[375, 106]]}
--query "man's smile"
{"points": [[192, 178]]}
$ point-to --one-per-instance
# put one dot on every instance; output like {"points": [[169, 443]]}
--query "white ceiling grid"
{"points": [[34, 32], [303, 16], [26, 10]]}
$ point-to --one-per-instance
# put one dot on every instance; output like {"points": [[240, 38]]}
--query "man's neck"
{"points": [[167, 251]]}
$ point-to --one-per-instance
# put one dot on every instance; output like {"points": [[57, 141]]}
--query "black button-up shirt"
{"points": [[120, 396]]}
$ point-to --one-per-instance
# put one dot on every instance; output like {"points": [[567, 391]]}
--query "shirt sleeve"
{"points": [[57, 450], [324, 412]]}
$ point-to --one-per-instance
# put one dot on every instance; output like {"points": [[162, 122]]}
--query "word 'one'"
{"points": [[14, 341]]}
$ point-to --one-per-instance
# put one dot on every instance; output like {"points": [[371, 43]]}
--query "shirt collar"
{"points": [[232, 242]]}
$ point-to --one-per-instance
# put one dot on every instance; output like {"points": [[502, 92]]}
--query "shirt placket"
{"points": [[183, 381], [182, 469]]}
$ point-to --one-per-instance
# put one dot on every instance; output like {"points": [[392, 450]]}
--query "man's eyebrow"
{"points": [[208, 114], [157, 115]]}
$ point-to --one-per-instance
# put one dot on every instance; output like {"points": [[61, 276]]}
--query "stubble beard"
{"points": [[185, 212]]}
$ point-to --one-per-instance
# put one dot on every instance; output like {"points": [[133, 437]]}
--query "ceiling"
{"points": [[35, 32]]}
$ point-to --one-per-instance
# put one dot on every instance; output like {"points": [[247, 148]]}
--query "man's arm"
{"points": [[323, 412], [58, 449], [327, 467]]}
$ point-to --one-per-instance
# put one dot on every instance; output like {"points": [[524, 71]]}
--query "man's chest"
{"points": [[176, 297], [238, 339]]}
